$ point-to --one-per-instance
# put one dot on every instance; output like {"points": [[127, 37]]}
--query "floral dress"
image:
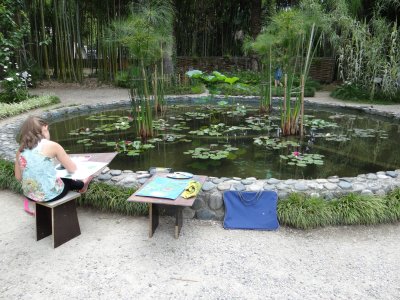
{"points": [[39, 180]]}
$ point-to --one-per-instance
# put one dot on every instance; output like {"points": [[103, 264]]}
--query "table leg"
{"points": [[178, 220], [154, 214]]}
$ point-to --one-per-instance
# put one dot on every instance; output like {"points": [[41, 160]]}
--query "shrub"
{"points": [[392, 202], [7, 178], [12, 109], [111, 198], [304, 213], [354, 209], [351, 92]]}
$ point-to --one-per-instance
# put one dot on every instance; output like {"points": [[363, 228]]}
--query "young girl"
{"points": [[34, 165]]}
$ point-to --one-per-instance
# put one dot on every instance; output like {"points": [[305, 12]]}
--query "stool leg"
{"points": [[178, 220], [154, 214], [65, 223], [43, 221]]}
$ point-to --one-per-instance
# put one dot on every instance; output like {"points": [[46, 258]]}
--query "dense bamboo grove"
{"points": [[66, 36]]}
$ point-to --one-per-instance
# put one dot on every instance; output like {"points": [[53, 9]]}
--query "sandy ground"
{"points": [[115, 258]]}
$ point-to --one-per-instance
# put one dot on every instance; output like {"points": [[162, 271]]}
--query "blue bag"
{"points": [[251, 210]]}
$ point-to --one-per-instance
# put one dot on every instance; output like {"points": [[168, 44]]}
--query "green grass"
{"points": [[112, 198], [7, 178], [355, 93], [12, 109], [301, 212]]}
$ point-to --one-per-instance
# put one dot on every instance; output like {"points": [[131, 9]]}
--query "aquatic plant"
{"points": [[213, 152]]}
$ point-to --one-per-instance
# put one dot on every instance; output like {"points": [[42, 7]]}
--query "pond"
{"points": [[229, 139]]}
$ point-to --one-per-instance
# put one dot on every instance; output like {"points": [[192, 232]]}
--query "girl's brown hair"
{"points": [[31, 133]]}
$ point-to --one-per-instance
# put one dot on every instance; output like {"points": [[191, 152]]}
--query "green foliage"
{"points": [[211, 80], [353, 209], [12, 109], [304, 213], [7, 178], [112, 198], [368, 52], [356, 93], [14, 26], [392, 201]]}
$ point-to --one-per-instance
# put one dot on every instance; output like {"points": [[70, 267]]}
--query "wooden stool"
{"points": [[58, 218]]}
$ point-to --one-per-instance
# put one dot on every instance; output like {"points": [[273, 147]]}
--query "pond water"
{"points": [[336, 142]]}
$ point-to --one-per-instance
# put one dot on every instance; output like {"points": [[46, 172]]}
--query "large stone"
{"points": [[358, 187], [198, 203], [117, 178], [345, 185], [281, 186], [367, 192], [215, 202], [247, 181], [205, 214], [188, 213], [105, 170], [300, 186], [130, 182], [372, 176], [269, 187], [115, 172], [391, 174], [254, 187], [217, 180], [273, 181], [223, 186], [333, 179], [375, 186], [141, 176], [321, 180], [330, 186], [238, 187], [104, 177], [208, 186]]}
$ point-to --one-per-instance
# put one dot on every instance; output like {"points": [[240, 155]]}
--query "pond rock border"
{"points": [[209, 203]]}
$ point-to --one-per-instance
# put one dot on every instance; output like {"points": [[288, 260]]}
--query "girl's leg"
{"points": [[69, 185]]}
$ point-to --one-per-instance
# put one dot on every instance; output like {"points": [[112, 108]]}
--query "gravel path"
{"points": [[114, 258]]}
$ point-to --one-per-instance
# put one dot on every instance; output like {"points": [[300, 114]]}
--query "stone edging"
{"points": [[209, 203]]}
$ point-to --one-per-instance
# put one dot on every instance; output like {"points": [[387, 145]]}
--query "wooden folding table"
{"points": [[155, 203]]}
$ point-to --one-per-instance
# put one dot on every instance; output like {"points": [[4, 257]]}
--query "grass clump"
{"points": [[392, 203], [12, 109], [112, 198], [357, 209], [304, 213], [349, 92], [7, 178]]}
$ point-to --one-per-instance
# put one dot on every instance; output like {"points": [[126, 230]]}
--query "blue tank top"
{"points": [[39, 179]]}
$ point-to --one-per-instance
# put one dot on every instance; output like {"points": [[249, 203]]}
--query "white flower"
{"points": [[24, 74], [5, 67], [7, 58], [6, 49], [9, 79], [29, 79], [17, 74]]}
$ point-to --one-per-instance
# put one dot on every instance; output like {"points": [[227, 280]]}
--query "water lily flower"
{"points": [[296, 153]]}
